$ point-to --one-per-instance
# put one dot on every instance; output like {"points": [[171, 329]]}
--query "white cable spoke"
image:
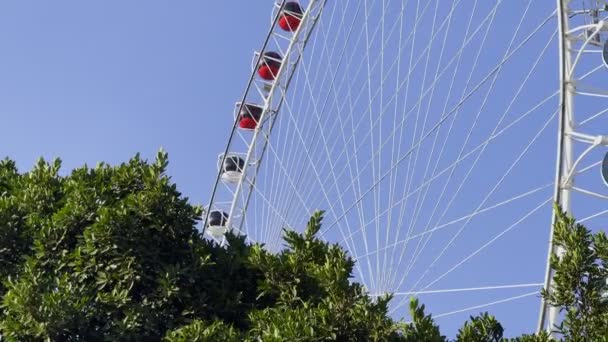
{"points": [[485, 199], [588, 218], [405, 81], [319, 129], [302, 175], [426, 135], [464, 46], [394, 153], [471, 308], [474, 164], [425, 191], [424, 124], [308, 156], [589, 192], [269, 204], [313, 106], [292, 155], [465, 289], [593, 117], [465, 217], [362, 116], [489, 243], [434, 128], [464, 157]]}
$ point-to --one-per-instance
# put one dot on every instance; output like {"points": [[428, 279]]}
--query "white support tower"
{"points": [[581, 24]]}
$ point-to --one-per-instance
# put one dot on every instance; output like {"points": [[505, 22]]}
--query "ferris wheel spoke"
{"points": [[286, 173], [269, 203], [340, 124], [333, 87], [465, 289], [476, 307], [463, 158], [487, 244], [479, 250], [417, 208], [349, 96], [273, 227], [485, 199], [429, 158], [342, 53], [451, 112], [308, 157], [478, 157], [410, 73], [462, 218], [339, 121], [591, 217], [358, 97], [395, 151], [290, 153], [440, 122], [319, 129], [589, 192], [593, 117], [369, 90], [453, 239]]}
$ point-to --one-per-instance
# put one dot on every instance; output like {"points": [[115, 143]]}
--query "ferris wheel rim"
{"points": [[265, 108]]}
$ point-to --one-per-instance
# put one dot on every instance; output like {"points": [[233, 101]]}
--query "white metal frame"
{"points": [[566, 166], [271, 94]]}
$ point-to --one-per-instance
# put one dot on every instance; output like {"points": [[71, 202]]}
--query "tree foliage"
{"points": [[581, 276], [483, 328], [113, 253]]}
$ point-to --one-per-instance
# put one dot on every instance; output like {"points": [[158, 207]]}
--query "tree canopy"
{"points": [[112, 253]]}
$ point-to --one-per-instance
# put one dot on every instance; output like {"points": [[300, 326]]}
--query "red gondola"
{"points": [[249, 116], [291, 16], [270, 64]]}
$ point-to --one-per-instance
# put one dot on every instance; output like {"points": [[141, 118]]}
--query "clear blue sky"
{"points": [[91, 81]]}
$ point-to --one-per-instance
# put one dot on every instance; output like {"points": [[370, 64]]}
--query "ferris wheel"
{"points": [[436, 135]]}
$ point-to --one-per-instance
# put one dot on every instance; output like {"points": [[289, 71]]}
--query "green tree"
{"points": [[581, 275], [311, 295], [483, 328], [422, 327], [113, 254], [24, 201]]}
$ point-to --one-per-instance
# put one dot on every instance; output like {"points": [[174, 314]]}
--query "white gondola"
{"points": [[217, 225], [232, 167]]}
